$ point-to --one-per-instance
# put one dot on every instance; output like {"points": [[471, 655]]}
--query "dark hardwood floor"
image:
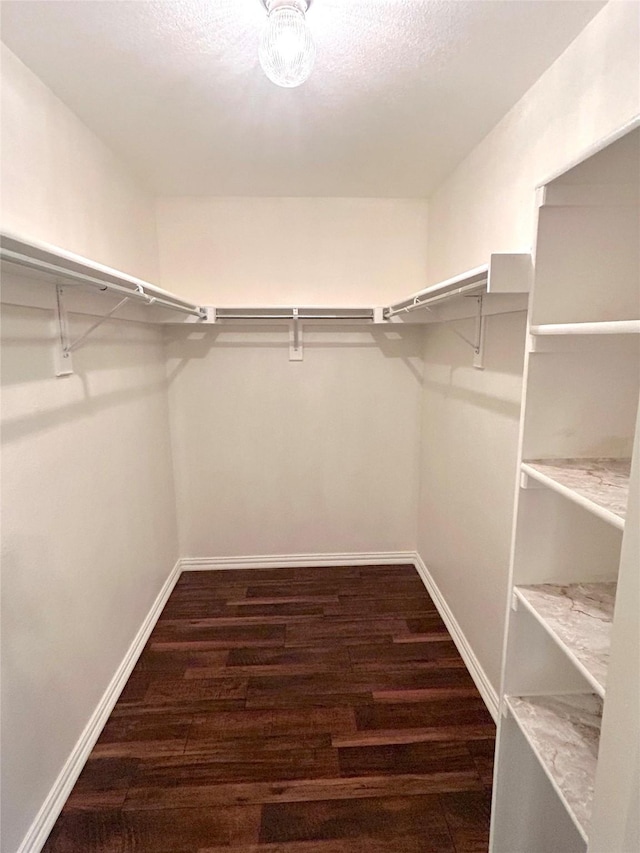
{"points": [[290, 711]]}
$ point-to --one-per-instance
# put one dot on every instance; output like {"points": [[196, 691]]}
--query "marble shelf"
{"points": [[564, 733], [599, 485], [578, 617]]}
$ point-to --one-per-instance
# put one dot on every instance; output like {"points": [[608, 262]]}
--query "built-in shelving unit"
{"points": [[601, 486], [570, 711], [578, 617], [563, 732]]}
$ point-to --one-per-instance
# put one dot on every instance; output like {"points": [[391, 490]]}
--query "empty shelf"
{"points": [[578, 617], [564, 732], [599, 485]]}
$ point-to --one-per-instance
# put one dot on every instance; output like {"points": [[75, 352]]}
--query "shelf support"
{"points": [[477, 344], [478, 350], [75, 344], [295, 338], [528, 482], [64, 361]]}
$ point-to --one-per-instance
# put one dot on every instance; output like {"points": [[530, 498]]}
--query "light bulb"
{"points": [[287, 51]]}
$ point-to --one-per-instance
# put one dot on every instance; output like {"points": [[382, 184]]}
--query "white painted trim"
{"points": [[486, 689], [57, 796], [274, 561], [595, 148]]}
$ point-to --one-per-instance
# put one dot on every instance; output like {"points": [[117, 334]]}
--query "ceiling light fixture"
{"points": [[287, 51]]}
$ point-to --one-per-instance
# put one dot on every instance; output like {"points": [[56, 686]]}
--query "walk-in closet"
{"points": [[320, 474]]}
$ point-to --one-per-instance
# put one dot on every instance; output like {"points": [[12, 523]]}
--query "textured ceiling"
{"points": [[401, 92]]}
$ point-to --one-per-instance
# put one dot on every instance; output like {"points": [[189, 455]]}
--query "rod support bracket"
{"points": [[477, 344], [478, 350], [63, 359], [295, 337], [65, 346]]}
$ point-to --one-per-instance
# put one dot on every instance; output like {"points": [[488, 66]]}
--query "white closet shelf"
{"points": [[468, 283], [599, 485], [60, 266], [578, 618], [564, 732], [606, 327], [504, 274]]}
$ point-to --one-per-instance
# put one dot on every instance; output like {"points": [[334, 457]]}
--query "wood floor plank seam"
{"points": [[292, 711]]}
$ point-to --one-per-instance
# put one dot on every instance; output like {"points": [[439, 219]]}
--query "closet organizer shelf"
{"points": [[506, 273], [569, 682], [599, 485], [564, 732], [60, 266], [578, 617]]}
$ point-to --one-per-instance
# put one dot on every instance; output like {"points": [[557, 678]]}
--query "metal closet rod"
{"points": [[404, 307], [70, 262], [238, 314], [459, 284], [138, 292]]}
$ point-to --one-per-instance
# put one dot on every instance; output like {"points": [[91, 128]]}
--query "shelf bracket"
{"points": [[527, 482], [478, 350], [295, 338], [80, 340], [477, 344], [64, 361]]}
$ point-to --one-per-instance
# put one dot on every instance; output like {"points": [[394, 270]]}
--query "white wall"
{"points": [[274, 457], [293, 251], [280, 457], [271, 456], [62, 185], [470, 421], [487, 204], [470, 432], [88, 530], [88, 506]]}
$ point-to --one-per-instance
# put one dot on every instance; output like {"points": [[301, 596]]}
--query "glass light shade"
{"points": [[287, 51]]}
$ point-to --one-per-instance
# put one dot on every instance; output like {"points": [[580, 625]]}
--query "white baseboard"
{"points": [[57, 796], [467, 654], [273, 561]]}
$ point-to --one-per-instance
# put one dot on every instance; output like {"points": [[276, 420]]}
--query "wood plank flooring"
{"points": [[290, 711]]}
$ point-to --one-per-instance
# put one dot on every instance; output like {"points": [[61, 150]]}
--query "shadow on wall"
{"points": [[19, 427], [30, 334], [109, 371], [507, 408], [187, 343], [504, 341], [76, 396], [449, 371]]}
